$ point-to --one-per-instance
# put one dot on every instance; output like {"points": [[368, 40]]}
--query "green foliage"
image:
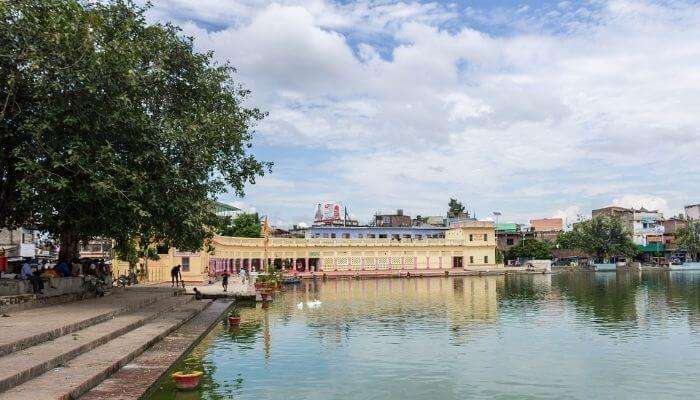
{"points": [[688, 238], [603, 236], [454, 208], [133, 252], [499, 257], [566, 240], [243, 225], [531, 249], [116, 128]]}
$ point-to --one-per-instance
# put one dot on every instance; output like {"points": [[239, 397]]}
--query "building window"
{"points": [[486, 237], [332, 235], [382, 236], [325, 235], [395, 237], [185, 264], [471, 237], [486, 259], [419, 237], [161, 249], [471, 259], [372, 236], [509, 242], [346, 236], [406, 236]]}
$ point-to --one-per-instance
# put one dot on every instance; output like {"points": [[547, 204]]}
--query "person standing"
{"points": [[176, 276], [26, 270], [242, 274], [3, 263], [224, 280], [37, 280]]}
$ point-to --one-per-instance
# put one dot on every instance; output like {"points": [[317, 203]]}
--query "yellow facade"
{"points": [[470, 246]]}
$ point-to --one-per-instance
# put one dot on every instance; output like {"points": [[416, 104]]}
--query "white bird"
{"points": [[300, 306], [313, 304]]}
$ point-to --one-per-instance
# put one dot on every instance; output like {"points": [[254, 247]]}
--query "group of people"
{"points": [[39, 273], [242, 273]]}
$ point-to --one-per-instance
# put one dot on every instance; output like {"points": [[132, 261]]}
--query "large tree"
{"points": [[115, 127], [243, 225], [455, 208], [688, 239], [530, 249], [603, 236]]}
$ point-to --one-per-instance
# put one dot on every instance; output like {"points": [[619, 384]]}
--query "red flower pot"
{"points": [[185, 381], [234, 320]]}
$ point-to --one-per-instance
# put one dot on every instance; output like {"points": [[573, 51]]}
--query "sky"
{"points": [[529, 108]]}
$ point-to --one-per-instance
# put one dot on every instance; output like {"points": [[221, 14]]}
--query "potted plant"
{"points": [[187, 381], [234, 317]]}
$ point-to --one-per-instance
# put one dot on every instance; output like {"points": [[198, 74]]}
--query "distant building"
{"points": [[692, 212], [393, 220], [508, 235], [469, 247], [18, 244], [626, 215], [432, 220], [226, 210], [646, 227], [377, 232], [547, 229], [671, 226], [97, 248]]}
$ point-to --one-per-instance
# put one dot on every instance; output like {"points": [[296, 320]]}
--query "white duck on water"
{"points": [[310, 304]]}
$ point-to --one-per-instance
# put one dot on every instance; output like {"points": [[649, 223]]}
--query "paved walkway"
{"points": [[235, 287]]}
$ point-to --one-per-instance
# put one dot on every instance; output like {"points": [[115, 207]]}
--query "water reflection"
{"points": [[479, 337]]}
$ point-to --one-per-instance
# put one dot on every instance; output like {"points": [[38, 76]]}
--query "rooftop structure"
{"points": [[376, 232], [226, 210], [333, 214], [692, 212], [547, 224], [392, 220]]}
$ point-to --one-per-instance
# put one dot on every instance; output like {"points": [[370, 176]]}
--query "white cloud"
{"points": [[588, 102], [645, 201], [569, 215]]}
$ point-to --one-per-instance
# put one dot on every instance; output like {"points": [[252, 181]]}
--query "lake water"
{"points": [[565, 336]]}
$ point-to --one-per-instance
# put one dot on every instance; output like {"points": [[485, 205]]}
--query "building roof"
{"points": [[220, 207], [385, 228], [507, 227], [547, 224]]}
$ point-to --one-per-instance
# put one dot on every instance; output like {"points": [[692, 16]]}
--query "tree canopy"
{"points": [[603, 236], [114, 127], [531, 249], [243, 225], [454, 208], [688, 239]]}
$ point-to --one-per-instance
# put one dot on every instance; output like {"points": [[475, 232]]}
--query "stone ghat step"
{"points": [[20, 366], [28, 328], [85, 371], [136, 378]]}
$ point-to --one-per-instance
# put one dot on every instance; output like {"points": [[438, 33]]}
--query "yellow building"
{"points": [[469, 246]]}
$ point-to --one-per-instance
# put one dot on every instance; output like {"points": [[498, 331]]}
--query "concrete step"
{"points": [[134, 380], [20, 366], [28, 328], [83, 372]]}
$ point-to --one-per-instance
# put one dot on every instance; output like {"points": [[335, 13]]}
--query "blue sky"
{"points": [[533, 109]]}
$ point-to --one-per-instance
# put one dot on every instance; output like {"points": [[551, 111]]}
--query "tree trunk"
{"points": [[69, 247]]}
